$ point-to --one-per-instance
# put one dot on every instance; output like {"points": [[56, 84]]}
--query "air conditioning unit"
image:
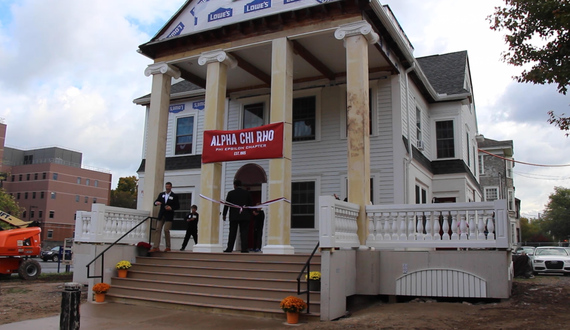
{"points": [[420, 145]]}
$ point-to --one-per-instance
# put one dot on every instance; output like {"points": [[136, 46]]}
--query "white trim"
{"points": [[175, 118], [265, 99]]}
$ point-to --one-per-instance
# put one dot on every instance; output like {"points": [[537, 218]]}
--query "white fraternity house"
{"points": [[362, 118]]}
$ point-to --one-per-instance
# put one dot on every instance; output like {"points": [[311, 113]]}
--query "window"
{"points": [[481, 165], [78, 180], [35, 176], [40, 214], [468, 149], [253, 115], [94, 200], [13, 178], [491, 194], [511, 200], [18, 196], [24, 214], [28, 177], [31, 214], [34, 195], [87, 182], [418, 126], [55, 176], [52, 195], [28, 159], [51, 214], [184, 135], [421, 195], [303, 204], [509, 166], [26, 195], [50, 233], [44, 175], [77, 198], [86, 199], [20, 177], [304, 118], [41, 195], [179, 222], [444, 136], [96, 183]]}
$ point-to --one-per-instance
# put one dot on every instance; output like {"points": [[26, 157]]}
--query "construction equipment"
{"points": [[17, 247]]}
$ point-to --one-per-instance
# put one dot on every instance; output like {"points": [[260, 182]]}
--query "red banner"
{"points": [[252, 143]]}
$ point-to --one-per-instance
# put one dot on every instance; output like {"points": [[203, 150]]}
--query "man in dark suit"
{"points": [[238, 217], [168, 202]]}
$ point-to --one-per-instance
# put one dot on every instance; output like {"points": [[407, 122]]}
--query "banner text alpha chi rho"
{"points": [[260, 142]]}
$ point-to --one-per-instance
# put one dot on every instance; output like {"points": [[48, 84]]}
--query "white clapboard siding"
{"points": [[441, 283]]}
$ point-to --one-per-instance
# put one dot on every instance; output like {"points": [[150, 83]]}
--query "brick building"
{"points": [[50, 184]]}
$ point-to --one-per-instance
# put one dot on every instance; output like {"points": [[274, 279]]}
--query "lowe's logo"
{"points": [[176, 31], [256, 5], [289, 1], [199, 105], [176, 108], [219, 14]]}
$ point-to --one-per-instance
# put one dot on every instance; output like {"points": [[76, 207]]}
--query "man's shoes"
{"points": [[181, 249], [227, 251], [244, 251], [154, 250], [167, 250], [257, 250]]}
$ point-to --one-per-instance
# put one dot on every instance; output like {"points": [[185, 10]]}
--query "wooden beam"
{"points": [[192, 78], [252, 70], [312, 60]]}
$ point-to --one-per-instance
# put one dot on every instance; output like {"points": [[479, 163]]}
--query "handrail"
{"points": [[102, 254], [308, 268]]}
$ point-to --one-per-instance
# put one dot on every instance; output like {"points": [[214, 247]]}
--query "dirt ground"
{"points": [[542, 302]]}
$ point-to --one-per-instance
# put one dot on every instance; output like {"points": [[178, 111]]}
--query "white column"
{"points": [[217, 63], [279, 214], [356, 38], [157, 125]]}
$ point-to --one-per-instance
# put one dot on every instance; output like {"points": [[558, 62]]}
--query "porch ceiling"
{"points": [[317, 56]]}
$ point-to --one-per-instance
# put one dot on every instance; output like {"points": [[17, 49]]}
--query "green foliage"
{"points": [[126, 193], [534, 230], [9, 205], [557, 213], [538, 36]]}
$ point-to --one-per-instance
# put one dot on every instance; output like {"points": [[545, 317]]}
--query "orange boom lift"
{"points": [[17, 247]]}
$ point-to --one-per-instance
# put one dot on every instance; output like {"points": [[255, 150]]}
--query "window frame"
{"points": [[264, 99], [316, 93], [176, 117], [453, 139], [486, 189], [316, 193]]}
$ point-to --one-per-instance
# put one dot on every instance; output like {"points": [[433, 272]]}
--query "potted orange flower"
{"points": [[100, 289], [293, 306]]}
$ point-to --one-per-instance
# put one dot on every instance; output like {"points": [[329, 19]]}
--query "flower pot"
{"points": [[142, 251], [314, 285], [99, 297], [292, 317], [122, 273]]}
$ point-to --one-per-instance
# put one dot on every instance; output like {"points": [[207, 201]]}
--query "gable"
{"points": [[202, 15]]}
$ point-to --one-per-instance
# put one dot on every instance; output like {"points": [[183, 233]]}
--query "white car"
{"points": [[551, 259]]}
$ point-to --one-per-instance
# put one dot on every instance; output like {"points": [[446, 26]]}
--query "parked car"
{"points": [[54, 254], [551, 259], [528, 250]]}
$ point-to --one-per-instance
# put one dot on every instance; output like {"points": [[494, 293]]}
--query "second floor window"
{"points": [[445, 139], [491, 194], [253, 115], [304, 118], [184, 135]]}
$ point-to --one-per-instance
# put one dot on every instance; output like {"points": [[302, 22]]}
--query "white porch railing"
{"points": [[337, 223], [105, 224], [447, 225]]}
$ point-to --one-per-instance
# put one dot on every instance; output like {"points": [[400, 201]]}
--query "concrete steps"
{"points": [[230, 283]]}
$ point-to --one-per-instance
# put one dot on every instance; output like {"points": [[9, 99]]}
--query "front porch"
{"points": [[456, 250]]}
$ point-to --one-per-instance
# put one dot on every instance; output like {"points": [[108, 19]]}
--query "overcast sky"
{"points": [[69, 71]]}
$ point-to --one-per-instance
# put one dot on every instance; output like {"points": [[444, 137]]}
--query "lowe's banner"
{"points": [[251, 143], [201, 15]]}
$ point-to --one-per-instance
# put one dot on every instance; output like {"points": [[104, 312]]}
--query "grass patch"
{"points": [[18, 290]]}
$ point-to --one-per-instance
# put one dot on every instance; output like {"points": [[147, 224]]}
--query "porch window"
{"points": [[185, 200], [304, 118], [491, 194], [303, 204], [184, 135], [253, 115], [445, 140]]}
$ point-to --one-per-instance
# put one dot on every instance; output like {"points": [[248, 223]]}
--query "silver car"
{"points": [[551, 259]]}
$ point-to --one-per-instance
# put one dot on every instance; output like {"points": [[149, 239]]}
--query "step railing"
{"points": [[307, 267], [102, 254]]}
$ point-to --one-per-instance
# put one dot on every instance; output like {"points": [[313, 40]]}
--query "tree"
{"points": [[9, 205], [557, 213], [533, 230], [539, 36], [126, 193]]}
